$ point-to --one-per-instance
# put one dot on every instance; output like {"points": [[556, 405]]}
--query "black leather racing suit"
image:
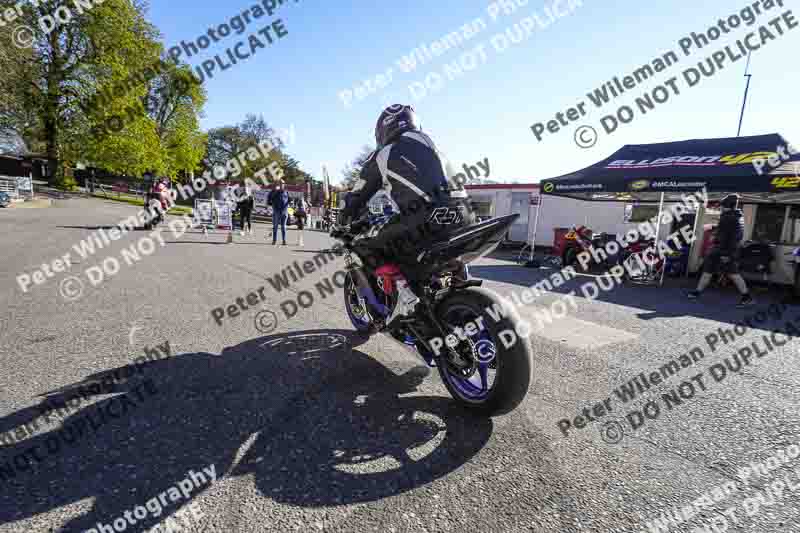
{"points": [[414, 174]]}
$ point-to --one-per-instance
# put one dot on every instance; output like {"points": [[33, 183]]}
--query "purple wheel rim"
{"points": [[476, 388]]}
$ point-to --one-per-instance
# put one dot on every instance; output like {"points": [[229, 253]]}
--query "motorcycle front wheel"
{"points": [[497, 379]]}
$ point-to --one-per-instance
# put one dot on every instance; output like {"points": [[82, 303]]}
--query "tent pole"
{"points": [[658, 239], [536, 223], [698, 218]]}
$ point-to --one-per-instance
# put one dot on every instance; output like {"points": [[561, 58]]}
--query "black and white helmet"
{"points": [[395, 120]]}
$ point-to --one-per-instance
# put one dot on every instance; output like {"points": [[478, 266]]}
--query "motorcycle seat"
{"points": [[476, 238]]}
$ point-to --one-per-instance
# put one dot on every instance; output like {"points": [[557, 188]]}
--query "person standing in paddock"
{"points": [[301, 214], [724, 256], [279, 200], [245, 206]]}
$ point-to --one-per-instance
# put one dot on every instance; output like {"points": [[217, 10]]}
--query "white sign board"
{"points": [[203, 213], [260, 197], [24, 184], [224, 216]]}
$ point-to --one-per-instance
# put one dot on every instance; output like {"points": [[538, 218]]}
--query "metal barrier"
{"points": [[16, 187], [9, 186]]}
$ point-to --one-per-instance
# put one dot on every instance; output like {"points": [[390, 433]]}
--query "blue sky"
{"points": [[487, 112]]}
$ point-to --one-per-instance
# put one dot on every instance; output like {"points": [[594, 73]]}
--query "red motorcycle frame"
{"points": [[578, 240]]}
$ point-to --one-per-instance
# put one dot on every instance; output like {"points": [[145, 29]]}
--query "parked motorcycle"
{"points": [[581, 239], [642, 262], [482, 360]]}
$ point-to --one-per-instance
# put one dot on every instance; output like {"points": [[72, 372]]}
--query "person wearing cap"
{"points": [[724, 256], [279, 200]]}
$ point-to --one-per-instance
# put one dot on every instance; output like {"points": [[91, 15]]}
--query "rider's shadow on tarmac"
{"points": [[317, 423]]}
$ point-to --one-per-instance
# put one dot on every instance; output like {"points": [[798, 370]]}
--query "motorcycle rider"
{"points": [[159, 200], [151, 195], [724, 256], [414, 174]]}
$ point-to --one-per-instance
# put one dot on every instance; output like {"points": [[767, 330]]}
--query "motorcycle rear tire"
{"points": [[514, 362]]}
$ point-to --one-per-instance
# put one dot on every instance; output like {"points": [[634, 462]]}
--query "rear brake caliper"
{"points": [[461, 358]]}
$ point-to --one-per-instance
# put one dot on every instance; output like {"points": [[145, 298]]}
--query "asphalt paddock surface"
{"points": [[310, 427]]}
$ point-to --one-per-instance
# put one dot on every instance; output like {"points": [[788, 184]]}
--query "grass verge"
{"points": [[134, 200]]}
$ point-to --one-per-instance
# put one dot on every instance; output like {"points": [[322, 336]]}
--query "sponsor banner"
{"points": [[786, 182], [677, 184], [575, 187], [642, 185], [688, 161]]}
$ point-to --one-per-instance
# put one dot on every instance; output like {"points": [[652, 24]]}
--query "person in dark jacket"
{"points": [[279, 200], [414, 175], [245, 207], [724, 256]]}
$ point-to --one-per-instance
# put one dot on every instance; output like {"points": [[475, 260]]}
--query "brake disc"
{"points": [[465, 366]]}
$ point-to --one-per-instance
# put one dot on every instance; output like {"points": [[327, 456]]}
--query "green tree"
{"points": [[293, 173], [103, 62], [176, 102], [352, 170], [227, 142], [57, 77]]}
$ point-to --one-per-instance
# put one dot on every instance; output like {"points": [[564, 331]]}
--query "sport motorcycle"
{"points": [[450, 321], [582, 239]]}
